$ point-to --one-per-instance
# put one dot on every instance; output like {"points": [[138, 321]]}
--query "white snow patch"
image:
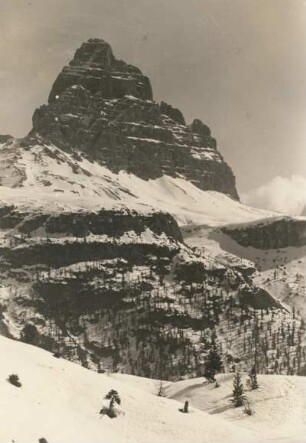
{"points": [[279, 405], [49, 177], [60, 401]]}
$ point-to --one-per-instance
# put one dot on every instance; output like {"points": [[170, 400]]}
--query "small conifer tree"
{"points": [[213, 363], [238, 391], [114, 398], [253, 382]]}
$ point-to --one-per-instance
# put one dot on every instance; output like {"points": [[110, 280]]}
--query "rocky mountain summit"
{"points": [[96, 69], [104, 108]]}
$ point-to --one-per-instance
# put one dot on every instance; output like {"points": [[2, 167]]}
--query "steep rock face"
{"points": [[279, 233], [4, 138], [173, 113], [103, 107]]}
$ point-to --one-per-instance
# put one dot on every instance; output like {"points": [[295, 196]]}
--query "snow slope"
{"points": [[43, 175], [60, 401], [278, 406]]}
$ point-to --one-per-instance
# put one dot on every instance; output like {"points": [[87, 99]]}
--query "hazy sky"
{"points": [[239, 65]]}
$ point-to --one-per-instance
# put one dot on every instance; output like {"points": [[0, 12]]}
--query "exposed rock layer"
{"points": [[95, 67], [103, 107], [275, 234]]}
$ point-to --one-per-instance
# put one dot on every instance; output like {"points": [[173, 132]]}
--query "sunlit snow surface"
{"points": [[45, 176], [60, 401]]}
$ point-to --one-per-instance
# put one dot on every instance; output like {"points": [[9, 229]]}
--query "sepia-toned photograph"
{"points": [[153, 221]]}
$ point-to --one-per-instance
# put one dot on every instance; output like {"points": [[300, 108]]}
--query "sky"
{"points": [[238, 65]]}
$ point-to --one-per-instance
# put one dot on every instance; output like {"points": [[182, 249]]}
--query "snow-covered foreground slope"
{"points": [[278, 406], [43, 175], [60, 401]]}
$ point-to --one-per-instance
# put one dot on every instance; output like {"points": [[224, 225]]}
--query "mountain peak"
{"points": [[104, 107], [95, 67], [94, 52]]}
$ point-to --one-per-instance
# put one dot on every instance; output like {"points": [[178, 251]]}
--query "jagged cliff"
{"points": [[104, 108]]}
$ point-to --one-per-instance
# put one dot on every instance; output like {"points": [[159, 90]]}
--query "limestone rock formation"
{"points": [[4, 138], [173, 113], [95, 67], [272, 234], [104, 108]]}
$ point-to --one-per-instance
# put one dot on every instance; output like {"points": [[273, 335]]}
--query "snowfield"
{"points": [[278, 406], [60, 401], [44, 176]]}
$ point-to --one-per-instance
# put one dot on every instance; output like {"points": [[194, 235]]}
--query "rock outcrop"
{"points": [[96, 69], [4, 138], [104, 108], [279, 233]]}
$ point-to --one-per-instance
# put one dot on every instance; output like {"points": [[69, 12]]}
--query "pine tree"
{"points": [[253, 378], [238, 397], [213, 363], [114, 398]]}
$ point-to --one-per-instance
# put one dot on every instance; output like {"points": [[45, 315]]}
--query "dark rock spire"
{"points": [[95, 67], [104, 107]]}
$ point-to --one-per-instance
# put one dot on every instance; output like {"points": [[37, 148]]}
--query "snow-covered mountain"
{"points": [[104, 108], [95, 268], [123, 243], [36, 173]]}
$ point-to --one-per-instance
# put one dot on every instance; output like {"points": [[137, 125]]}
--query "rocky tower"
{"points": [[104, 107]]}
